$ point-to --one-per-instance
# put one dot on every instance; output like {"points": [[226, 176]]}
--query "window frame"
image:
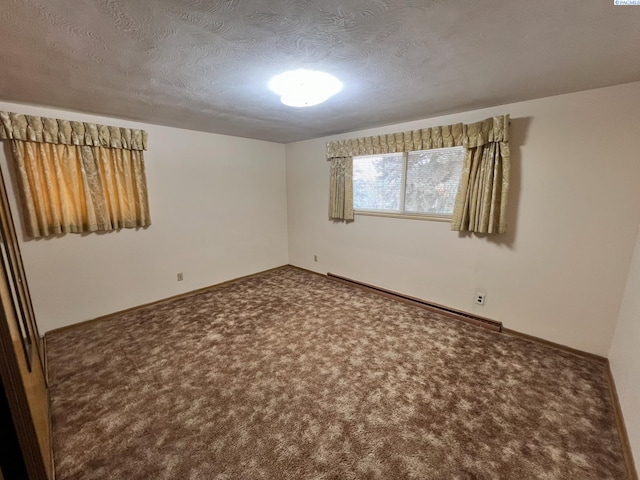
{"points": [[401, 213]]}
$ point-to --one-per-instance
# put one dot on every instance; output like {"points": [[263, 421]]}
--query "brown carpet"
{"points": [[289, 375]]}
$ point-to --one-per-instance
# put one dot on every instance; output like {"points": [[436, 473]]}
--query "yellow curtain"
{"points": [[481, 201], [77, 177], [341, 189]]}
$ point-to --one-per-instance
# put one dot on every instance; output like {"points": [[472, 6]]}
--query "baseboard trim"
{"points": [[179, 296], [632, 473], [557, 346], [42, 353], [45, 363], [459, 315], [434, 307], [323, 275], [45, 366]]}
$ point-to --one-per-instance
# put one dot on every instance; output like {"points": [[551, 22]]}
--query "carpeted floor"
{"points": [[289, 375]]}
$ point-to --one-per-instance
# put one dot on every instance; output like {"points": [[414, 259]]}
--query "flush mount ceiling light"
{"points": [[304, 88]]}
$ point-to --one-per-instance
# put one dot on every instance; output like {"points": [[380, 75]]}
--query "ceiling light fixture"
{"points": [[304, 88]]}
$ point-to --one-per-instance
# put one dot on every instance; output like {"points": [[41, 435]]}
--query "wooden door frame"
{"points": [[13, 250], [10, 370], [22, 373]]}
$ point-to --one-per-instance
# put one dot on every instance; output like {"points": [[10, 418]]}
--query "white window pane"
{"points": [[432, 180], [377, 182]]}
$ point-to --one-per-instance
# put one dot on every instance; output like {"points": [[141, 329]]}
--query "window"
{"points": [[420, 183]]}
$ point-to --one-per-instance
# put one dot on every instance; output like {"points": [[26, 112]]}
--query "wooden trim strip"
{"points": [[14, 387], [557, 346], [457, 314], [464, 316], [632, 473], [43, 350], [24, 306], [179, 296], [43, 344], [323, 275]]}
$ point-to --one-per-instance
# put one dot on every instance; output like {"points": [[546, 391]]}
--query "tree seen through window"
{"points": [[418, 183]]}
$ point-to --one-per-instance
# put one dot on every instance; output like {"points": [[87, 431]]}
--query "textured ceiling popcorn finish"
{"points": [[205, 65]]}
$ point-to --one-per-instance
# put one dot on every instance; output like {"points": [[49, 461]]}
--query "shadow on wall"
{"points": [[517, 137]]}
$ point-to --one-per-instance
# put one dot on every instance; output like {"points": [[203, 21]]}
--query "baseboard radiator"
{"points": [[451, 312]]}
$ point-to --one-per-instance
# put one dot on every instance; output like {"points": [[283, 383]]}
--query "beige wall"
{"points": [[218, 210], [575, 205], [625, 354]]}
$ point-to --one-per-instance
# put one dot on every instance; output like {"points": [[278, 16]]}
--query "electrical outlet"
{"points": [[479, 299], [180, 277], [315, 258]]}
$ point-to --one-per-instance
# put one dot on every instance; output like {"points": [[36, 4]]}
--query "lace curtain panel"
{"points": [[481, 200], [77, 177]]}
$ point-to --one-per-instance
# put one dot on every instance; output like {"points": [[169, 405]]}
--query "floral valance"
{"points": [[471, 135], [32, 128]]}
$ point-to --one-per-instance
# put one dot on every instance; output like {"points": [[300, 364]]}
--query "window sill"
{"points": [[432, 218]]}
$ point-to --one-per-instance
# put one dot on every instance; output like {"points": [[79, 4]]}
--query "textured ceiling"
{"points": [[205, 64]]}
